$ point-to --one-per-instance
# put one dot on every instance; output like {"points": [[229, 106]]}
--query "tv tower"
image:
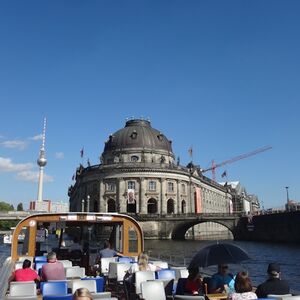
{"points": [[42, 161]]}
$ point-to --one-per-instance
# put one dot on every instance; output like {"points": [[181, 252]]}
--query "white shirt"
{"points": [[135, 267]]}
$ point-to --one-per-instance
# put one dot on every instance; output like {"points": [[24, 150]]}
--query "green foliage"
{"points": [[7, 224], [20, 207], [6, 206]]}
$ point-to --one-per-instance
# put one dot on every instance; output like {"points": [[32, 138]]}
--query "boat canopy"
{"points": [[63, 232]]}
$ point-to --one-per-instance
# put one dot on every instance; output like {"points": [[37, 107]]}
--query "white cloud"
{"points": [[17, 144], [7, 165], [59, 155], [37, 137], [32, 176], [24, 171]]}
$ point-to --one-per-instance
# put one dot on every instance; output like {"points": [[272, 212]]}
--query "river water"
{"points": [[181, 252], [287, 255]]}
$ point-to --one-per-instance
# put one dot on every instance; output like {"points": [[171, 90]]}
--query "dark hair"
{"points": [[26, 264], [242, 283], [193, 272], [106, 244]]}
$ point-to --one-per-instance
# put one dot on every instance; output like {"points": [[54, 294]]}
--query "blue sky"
{"points": [[222, 76]]}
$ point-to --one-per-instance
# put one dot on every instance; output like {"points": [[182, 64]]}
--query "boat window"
{"points": [[23, 239], [77, 241], [133, 243]]}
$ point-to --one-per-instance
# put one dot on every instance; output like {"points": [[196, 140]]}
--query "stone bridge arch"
{"points": [[180, 229]]}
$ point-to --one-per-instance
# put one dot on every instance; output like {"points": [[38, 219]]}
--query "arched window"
{"points": [[152, 206], [111, 205], [134, 158], [96, 206], [170, 206], [183, 207], [131, 207]]}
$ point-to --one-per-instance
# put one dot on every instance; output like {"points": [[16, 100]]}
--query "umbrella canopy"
{"points": [[218, 254]]}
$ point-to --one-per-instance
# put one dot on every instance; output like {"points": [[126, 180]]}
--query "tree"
{"points": [[7, 224], [20, 207], [6, 206]]}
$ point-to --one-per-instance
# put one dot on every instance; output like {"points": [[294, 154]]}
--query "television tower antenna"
{"points": [[42, 161]]}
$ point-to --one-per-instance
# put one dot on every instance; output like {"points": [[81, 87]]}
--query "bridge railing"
{"points": [[188, 215]]}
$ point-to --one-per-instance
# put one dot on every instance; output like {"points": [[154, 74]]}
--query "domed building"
{"points": [[138, 174]]}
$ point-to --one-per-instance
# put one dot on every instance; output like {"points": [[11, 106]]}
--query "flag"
{"points": [[224, 174], [81, 152], [190, 151], [130, 196]]}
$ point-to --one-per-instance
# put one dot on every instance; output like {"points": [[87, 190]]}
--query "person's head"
{"points": [[223, 269], [51, 257], [193, 273], [242, 283], [26, 264], [106, 244], [273, 270], [82, 294], [143, 260]]}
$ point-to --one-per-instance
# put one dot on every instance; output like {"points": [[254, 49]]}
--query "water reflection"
{"points": [[287, 255]]}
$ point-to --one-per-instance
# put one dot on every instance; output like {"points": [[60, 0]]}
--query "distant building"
{"points": [[292, 205], [138, 174], [241, 200], [48, 206]]}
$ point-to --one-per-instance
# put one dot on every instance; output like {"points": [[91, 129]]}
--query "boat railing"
{"points": [[172, 259], [6, 271]]}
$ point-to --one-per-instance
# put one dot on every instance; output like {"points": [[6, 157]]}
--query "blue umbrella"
{"points": [[217, 254]]}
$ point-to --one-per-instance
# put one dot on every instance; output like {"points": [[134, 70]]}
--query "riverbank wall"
{"points": [[280, 227]]}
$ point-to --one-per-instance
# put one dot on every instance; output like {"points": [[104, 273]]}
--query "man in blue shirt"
{"points": [[107, 251], [222, 280]]}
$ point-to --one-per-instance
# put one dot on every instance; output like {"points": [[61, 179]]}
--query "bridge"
{"points": [[174, 226], [14, 215]]}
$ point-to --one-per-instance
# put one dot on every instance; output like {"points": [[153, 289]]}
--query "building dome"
{"points": [[138, 135]]}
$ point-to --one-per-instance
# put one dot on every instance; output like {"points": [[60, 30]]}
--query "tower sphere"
{"points": [[42, 161]]}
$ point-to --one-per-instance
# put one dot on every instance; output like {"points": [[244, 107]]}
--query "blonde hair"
{"points": [[143, 261], [82, 292]]}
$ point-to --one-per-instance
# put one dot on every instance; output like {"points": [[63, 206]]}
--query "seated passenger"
{"points": [[24, 274], [75, 245], [194, 283], [243, 288], [222, 281], [107, 251], [82, 294], [273, 285], [53, 270], [143, 264]]}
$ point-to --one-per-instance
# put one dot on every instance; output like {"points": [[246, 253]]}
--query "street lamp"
{"points": [[82, 205], [287, 194], [88, 203]]}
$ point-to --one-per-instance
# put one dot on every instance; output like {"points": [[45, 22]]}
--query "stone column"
{"points": [[102, 203], [141, 206], [177, 200], [191, 198], [121, 192], [163, 201]]}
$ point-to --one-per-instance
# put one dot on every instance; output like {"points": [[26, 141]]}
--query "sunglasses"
{"points": [[224, 267]]}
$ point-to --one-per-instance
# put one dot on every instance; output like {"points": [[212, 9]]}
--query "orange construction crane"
{"points": [[229, 161]]}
